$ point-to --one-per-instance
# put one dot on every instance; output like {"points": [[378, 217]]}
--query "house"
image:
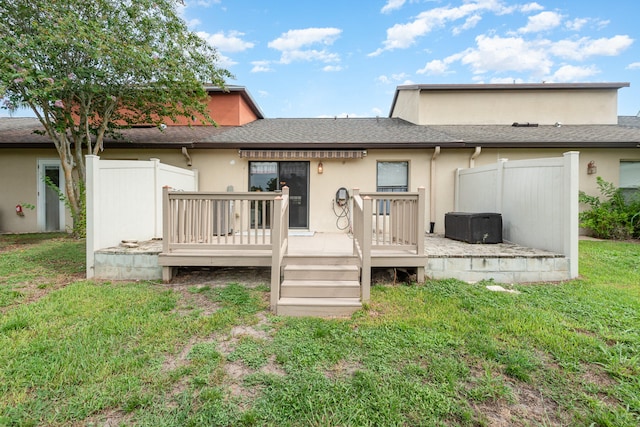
{"points": [[326, 168], [431, 131]]}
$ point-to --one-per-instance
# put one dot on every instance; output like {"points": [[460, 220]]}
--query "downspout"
{"points": [[474, 156], [432, 190], [186, 155]]}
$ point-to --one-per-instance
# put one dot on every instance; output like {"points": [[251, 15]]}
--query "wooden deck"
{"points": [[330, 273], [252, 229]]}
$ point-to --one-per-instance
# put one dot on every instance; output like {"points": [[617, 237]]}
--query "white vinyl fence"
{"points": [[124, 200], [538, 200]]}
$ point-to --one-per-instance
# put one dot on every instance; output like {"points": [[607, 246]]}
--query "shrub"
{"points": [[617, 217]]}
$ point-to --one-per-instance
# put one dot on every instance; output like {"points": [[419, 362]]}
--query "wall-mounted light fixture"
{"points": [[592, 168], [320, 168]]}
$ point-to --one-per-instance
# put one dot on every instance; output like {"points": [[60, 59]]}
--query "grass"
{"points": [[33, 262], [439, 353]]}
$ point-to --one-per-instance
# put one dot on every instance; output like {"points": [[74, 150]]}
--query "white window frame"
{"points": [[629, 178]]}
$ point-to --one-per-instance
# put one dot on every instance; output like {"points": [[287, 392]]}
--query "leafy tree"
{"points": [[90, 67]]}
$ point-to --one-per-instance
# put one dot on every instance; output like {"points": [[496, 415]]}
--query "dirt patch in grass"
{"points": [[36, 289], [193, 298], [221, 276], [529, 407], [108, 418]]}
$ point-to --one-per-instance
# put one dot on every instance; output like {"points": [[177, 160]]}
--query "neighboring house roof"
{"points": [[515, 86], [629, 121], [349, 133], [624, 135], [19, 133]]}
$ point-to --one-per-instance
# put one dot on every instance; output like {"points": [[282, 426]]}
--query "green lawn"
{"points": [[76, 352]]}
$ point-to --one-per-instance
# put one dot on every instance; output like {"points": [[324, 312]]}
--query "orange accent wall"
{"points": [[226, 109]]}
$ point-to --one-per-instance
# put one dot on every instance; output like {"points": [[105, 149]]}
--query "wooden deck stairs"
{"points": [[319, 286]]}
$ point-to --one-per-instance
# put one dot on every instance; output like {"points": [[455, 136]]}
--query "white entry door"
{"points": [[51, 212]]}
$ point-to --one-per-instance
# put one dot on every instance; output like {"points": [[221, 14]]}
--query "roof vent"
{"points": [[524, 125]]}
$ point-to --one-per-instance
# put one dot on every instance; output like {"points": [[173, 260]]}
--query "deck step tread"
{"points": [[320, 267], [321, 283], [320, 302]]}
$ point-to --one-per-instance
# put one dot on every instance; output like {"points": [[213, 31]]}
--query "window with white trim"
{"points": [[391, 177], [630, 178]]}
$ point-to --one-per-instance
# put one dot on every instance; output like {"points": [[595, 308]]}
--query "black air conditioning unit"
{"points": [[473, 227]]}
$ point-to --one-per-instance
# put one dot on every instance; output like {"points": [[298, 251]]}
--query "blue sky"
{"points": [[345, 57]]}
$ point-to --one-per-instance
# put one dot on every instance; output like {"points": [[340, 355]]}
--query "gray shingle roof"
{"points": [[629, 121], [392, 132], [20, 131], [351, 133], [563, 136]]}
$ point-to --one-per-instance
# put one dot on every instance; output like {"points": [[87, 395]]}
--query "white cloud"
{"points": [[393, 79], [292, 42], [633, 66], [193, 23], [536, 57], [434, 68], [295, 39], [376, 111], [392, 5], [399, 76], [402, 36], [500, 54], [576, 24], [290, 56], [541, 22], [580, 49], [263, 93], [531, 7], [230, 42], [225, 61], [469, 23], [204, 3], [261, 67], [571, 73], [332, 68]]}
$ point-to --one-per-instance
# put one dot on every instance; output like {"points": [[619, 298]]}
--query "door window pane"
{"points": [[272, 176], [263, 176]]}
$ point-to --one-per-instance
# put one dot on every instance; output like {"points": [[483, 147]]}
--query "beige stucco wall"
{"points": [[19, 185], [222, 168], [545, 107], [407, 106]]}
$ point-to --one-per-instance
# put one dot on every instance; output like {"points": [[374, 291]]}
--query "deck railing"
{"points": [[210, 221], [397, 220], [386, 221], [361, 221], [217, 220]]}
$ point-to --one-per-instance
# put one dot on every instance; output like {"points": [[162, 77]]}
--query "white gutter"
{"points": [[432, 190]]}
